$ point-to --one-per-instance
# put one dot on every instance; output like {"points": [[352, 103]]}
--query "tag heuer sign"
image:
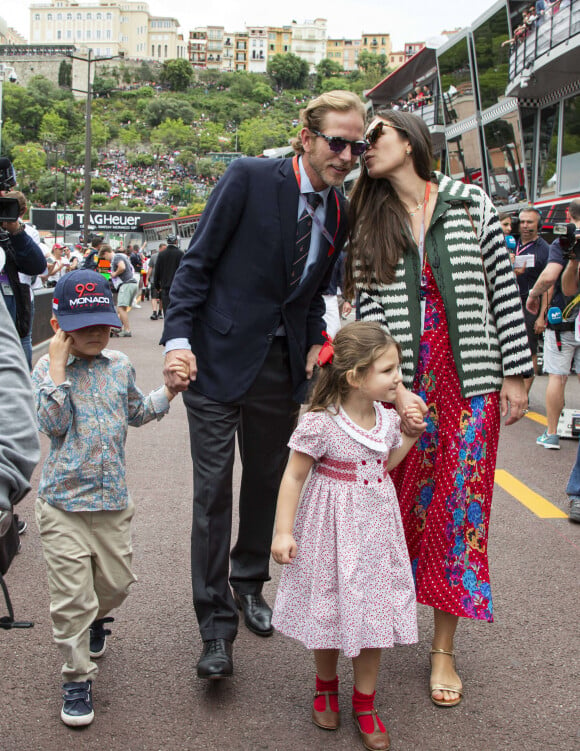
{"points": [[104, 221], [64, 220]]}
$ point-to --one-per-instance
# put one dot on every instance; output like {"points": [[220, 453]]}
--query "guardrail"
{"points": [[548, 32]]}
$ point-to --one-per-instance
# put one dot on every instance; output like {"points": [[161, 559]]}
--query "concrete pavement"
{"points": [[521, 674]]}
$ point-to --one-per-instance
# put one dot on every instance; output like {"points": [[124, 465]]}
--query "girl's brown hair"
{"points": [[379, 221], [356, 346]]}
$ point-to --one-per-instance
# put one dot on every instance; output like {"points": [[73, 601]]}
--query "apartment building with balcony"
{"points": [[379, 44], [107, 27], [257, 48], [309, 41], [344, 52], [279, 40]]}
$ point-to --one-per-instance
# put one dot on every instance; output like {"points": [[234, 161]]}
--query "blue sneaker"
{"points": [[98, 636], [574, 508], [548, 440], [77, 705]]}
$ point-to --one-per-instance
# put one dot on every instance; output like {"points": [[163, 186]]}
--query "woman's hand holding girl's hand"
{"points": [[413, 415], [407, 400], [284, 548]]}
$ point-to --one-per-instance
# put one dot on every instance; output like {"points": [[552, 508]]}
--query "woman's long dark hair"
{"points": [[378, 219]]}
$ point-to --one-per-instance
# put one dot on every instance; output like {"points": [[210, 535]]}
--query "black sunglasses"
{"points": [[337, 144], [375, 133]]}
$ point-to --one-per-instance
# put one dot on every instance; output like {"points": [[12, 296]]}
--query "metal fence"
{"points": [[550, 30]]}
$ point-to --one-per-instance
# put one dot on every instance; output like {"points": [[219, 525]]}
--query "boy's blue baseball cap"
{"points": [[84, 298]]}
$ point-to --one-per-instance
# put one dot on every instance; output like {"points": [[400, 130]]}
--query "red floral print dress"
{"points": [[445, 484]]}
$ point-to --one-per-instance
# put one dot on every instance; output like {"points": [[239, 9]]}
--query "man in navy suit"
{"points": [[251, 332]]}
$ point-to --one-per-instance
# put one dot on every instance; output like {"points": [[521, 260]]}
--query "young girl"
{"points": [[349, 585]]}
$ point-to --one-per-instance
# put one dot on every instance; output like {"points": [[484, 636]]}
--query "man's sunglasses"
{"points": [[375, 133], [337, 144]]}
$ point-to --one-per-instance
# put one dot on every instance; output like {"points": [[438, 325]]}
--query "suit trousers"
{"points": [[263, 420]]}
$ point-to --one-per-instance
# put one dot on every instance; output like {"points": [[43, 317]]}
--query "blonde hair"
{"points": [[312, 116], [356, 347]]}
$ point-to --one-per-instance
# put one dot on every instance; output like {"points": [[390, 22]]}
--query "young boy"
{"points": [[86, 398]]}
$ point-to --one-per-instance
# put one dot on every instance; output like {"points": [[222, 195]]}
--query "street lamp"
{"points": [[89, 60], [7, 72]]}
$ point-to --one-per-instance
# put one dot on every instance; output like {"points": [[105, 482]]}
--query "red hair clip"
{"points": [[327, 352]]}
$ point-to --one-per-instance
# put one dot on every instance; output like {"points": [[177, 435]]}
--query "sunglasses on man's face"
{"points": [[375, 133], [337, 144]]}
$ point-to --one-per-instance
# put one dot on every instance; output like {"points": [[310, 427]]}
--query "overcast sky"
{"points": [[405, 20]]}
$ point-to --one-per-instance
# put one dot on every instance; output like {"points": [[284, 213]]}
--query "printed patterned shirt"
{"points": [[86, 419]]}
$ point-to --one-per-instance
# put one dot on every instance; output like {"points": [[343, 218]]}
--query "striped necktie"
{"points": [[303, 235]]}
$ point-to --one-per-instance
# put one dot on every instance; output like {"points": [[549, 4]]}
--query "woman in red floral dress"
{"points": [[428, 261]]}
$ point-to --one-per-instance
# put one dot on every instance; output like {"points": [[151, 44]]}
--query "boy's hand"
{"points": [[284, 548], [173, 379], [58, 352], [179, 366], [59, 348]]}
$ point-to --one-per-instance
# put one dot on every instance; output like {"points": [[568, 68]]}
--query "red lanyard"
{"points": [[423, 230], [521, 248], [310, 211]]}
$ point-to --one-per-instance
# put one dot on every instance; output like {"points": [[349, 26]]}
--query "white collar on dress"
{"points": [[375, 438]]}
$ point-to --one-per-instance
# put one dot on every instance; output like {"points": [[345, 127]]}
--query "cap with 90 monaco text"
{"points": [[82, 299]]}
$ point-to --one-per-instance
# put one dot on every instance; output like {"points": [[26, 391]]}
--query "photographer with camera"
{"points": [[561, 348], [19, 444], [22, 255]]}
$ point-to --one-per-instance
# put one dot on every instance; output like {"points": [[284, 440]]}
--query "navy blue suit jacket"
{"points": [[230, 292]]}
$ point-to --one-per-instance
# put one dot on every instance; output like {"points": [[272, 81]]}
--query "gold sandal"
{"points": [[443, 687]]}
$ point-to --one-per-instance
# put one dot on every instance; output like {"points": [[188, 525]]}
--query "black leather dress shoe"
{"points": [[257, 613], [216, 659]]}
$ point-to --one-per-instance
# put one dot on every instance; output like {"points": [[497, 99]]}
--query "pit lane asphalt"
{"points": [[521, 674]]}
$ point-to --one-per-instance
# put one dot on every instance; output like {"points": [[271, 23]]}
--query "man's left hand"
{"points": [[311, 359]]}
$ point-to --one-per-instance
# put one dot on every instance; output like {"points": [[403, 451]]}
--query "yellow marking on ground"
{"points": [[537, 417], [534, 502]]}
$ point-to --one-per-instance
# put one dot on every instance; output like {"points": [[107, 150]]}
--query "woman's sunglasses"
{"points": [[375, 133], [337, 144]]}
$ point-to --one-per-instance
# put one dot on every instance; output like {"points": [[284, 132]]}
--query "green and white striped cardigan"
{"points": [[484, 312]]}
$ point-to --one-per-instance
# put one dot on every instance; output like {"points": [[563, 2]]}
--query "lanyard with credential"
{"points": [[305, 205], [423, 257]]}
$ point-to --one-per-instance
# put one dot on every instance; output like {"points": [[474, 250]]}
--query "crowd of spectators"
{"points": [[533, 17], [416, 99]]}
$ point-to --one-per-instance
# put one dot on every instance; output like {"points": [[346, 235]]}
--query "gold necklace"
{"points": [[417, 207]]}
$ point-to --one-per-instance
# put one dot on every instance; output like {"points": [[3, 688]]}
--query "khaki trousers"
{"points": [[88, 555]]}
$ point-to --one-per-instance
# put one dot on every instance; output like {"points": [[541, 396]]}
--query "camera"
{"points": [[9, 208], [568, 235]]}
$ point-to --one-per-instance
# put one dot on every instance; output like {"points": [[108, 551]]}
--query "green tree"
{"points": [[177, 74], [20, 107], [130, 137], [100, 185], [262, 133], [372, 63], [288, 71], [168, 107], [65, 75], [327, 68], [172, 134], [29, 161], [53, 128]]}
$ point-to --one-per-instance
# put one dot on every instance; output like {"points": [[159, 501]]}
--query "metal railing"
{"points": [[550, 30]]}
